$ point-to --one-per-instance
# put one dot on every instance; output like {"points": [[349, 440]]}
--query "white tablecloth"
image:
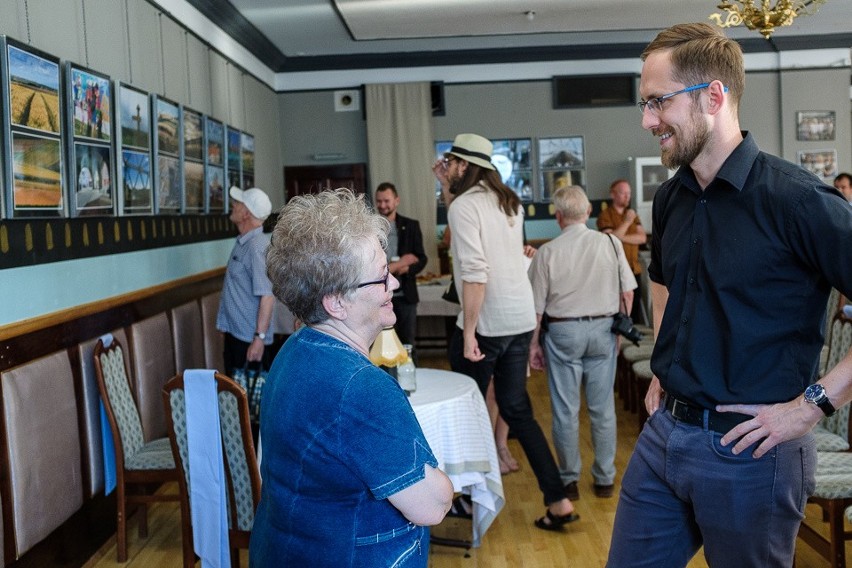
{"points": [[431, 303], [455, 421]]}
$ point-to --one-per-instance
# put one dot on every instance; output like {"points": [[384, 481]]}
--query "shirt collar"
{"points": [[242, 239], [734, 170]]}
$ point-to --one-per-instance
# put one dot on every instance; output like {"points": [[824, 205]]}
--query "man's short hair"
{"points": [[572, 202], [387, 186], [702, 53], [844, 175], [616, 182]]}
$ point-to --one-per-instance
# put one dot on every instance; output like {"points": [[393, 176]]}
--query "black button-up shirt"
{"points": [[748, 264]]}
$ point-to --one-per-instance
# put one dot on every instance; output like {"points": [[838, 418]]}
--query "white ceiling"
{"points": [[323, 28]]}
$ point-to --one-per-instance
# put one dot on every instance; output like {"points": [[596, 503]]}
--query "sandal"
{"points": [[462, 508], [556, 521], [508, 463]]}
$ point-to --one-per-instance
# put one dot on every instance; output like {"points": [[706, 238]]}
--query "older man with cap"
{"points": [[246, 307], [493, 331]]}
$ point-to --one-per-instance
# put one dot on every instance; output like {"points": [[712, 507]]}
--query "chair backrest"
{"points": [[841, 341], [120, 405], [214, 340], [188, 336], [241, 469], [831, 309], [153, 365]]}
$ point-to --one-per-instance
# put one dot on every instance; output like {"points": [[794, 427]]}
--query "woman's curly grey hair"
{"points": [[317, 249]]}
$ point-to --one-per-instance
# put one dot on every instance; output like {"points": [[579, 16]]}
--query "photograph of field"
{"points": [[168, 187], [34, 91], [168, 127], [248, 152], [37, 172], [215, 141], [215, 189], [134, 118], [193, 136], [90, 98], [193, 183], [93, 188], [136, 174], [234, 137]]}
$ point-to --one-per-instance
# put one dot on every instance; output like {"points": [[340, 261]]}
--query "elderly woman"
{"points": [[348, 478]]}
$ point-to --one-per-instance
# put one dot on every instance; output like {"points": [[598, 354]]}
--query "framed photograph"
{"points": [[215, 189], [551, 180], [248, 180], [513, 159], [168, 126], [134, 118], [193, 185], [168, 184], [815, 125], [247, 145], [561, 153], [822, 163], [215, 142], [136, 182], [36, 173], [33, 89], [234, 160], [92, 179], [90, 103], [193, 135]]}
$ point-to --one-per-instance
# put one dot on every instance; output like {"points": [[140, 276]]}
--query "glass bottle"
{"points": [[406, 373]]}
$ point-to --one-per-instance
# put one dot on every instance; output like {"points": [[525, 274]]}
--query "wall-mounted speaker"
{"points": [[594, 90]]}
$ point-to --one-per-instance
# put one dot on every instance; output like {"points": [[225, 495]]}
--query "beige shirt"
{"points": [[487, 248], [576, 274]]}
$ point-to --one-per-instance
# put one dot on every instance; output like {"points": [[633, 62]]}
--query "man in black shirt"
{"points": [[741, 269]]}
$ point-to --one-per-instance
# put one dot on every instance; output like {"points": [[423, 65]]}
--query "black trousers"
{"points": [[235, 354]]}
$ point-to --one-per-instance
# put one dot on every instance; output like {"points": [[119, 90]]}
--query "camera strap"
{"points": [[618, 274]]}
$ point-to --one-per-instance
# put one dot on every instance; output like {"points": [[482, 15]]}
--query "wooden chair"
{"points": [[139, 466], [242, 474]]}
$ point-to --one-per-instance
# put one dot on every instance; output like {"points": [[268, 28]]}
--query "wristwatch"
{"points": [[815, 394], [260, 334]]}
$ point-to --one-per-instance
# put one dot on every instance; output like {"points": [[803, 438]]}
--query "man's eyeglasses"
{"points": [[655, 105], [375, 282]]}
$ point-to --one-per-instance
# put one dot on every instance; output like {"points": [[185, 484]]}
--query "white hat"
{"points": [[255, 200], [473, 148]]}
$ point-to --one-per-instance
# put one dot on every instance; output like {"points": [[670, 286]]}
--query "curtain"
{"points": [[401, 149]]}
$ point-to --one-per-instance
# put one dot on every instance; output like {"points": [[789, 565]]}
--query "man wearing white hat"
{"points": [[246, 306], [492, 336]]}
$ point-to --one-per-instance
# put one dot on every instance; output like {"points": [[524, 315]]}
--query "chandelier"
{"points": [[757, 14]]}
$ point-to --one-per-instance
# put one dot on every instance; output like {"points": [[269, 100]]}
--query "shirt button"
{"points": [[677, 360], [691, 280], [684, 320]]}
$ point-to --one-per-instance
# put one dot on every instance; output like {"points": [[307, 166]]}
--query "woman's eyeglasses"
{"points": [[375, 282]]}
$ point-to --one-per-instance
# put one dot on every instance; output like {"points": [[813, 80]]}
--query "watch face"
{"points": [[814, 392]]}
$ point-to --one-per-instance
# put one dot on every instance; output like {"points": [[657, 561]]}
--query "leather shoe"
{"points": [[604, 491], [572, 491]]}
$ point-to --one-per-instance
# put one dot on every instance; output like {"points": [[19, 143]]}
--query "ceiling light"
{"points": [[757, 15]]}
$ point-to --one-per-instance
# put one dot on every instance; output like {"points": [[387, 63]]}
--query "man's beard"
{"points": [[689, 143]]}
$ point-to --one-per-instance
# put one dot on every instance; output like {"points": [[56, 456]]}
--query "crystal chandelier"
{"points": [[758, 15]]}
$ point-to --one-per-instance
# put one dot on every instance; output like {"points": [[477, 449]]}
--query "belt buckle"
{"points": [[677, 406]]}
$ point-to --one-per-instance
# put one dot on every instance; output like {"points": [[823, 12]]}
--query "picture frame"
{"points": [[169, 184], [93, 183], [169, 127], [561, 162], [133, 145], [215, 184], [513, 159], [816, 125], [91, 104], [821, 163], [234, 160], [32, 129], [137, 188], [193, 187], [247, 158], [215, 141], [193, 135]]}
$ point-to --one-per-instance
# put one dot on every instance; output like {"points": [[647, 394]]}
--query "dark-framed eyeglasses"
{"points": [[383, 281], [655, 105]]}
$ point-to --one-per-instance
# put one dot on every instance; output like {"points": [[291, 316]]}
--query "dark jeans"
{"points": [[235, 354], [682, 490], [506, 360]]}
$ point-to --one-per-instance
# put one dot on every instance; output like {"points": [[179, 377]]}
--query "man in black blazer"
{"points": [[406, 258]]}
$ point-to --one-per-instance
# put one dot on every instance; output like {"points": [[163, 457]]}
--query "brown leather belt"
{"points": [[552, 319]]}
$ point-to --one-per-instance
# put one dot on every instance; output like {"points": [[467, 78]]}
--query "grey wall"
{"points": [[134, 42]]}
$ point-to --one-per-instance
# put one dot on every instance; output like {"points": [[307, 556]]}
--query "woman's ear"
{"points": [[335, 306]]}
